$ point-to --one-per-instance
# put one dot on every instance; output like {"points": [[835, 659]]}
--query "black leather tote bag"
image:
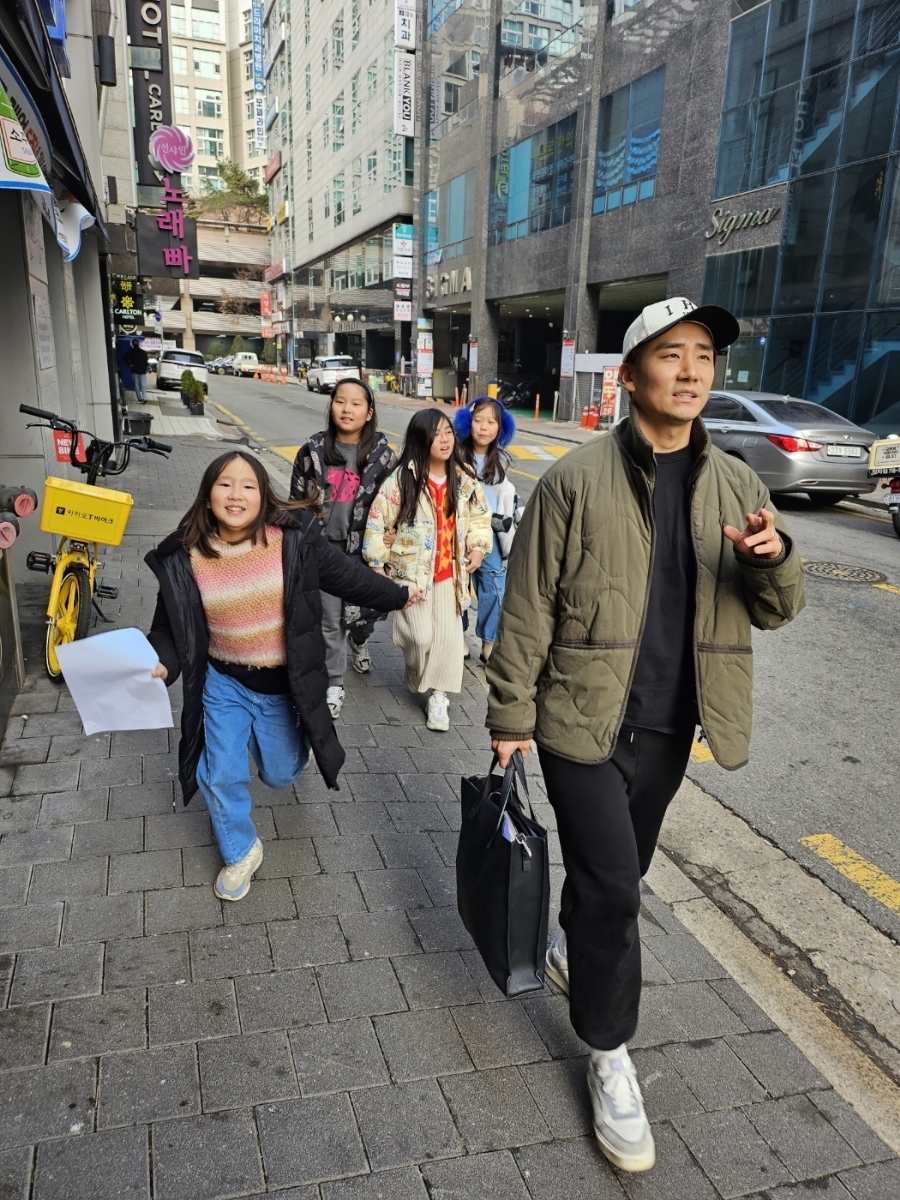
{"points": [[503, 877]]}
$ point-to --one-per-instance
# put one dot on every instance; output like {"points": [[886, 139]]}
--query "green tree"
{"points": [[268, 354], [234, 196], [215, 349], [238, 345]]}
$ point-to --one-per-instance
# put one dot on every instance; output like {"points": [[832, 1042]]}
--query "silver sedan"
{"points": [[793, 445]]}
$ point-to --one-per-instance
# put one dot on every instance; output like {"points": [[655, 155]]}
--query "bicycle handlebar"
{"points": [[55, 420], [97, 462], [160, 447]]}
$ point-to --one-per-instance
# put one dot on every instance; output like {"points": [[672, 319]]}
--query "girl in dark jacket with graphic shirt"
{"points": [[345, 465], [239, 616]]}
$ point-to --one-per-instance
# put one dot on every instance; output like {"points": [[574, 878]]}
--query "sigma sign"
{"points": [[724, 223]]}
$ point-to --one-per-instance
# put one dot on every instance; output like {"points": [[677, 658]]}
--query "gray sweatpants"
{"points": [[336, 638]]}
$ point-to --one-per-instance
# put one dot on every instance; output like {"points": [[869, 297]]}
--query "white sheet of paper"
{"points": [[109, 676]]}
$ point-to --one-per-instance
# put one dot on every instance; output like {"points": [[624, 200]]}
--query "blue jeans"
{"points": [[236, 720], [490, 584], [140, 385]]}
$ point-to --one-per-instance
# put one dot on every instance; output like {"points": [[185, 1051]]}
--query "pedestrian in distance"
{"points": [[484, 429], [642, 561], [239, 617], [138, 360], [344, 465], [441, 523]]}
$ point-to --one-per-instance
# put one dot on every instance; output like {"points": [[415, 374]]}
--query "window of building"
{"points": [[337, 41], [354, 24], [531, 184], [355, 104], [337, 190], [327, 203], [210, 142], [372, 79], [389, 64], [451, 97], [207, 63], [248, 64], [205, 24], [310, 218], [325, 58], [306, 31], [393, 162], [307, 84], [326, 130], [337, 123], [284, 122], [210, 180], [179, 57], [372, 166], [628, 135], [252, 148], [249, 105], [742, 282], [178, 21], [182, 97], [512, 33], [450, 219], [208, 104], [356, 189], [246, 24], [538, 36]]}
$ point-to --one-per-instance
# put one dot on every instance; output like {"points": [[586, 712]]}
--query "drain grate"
{"points": [[847, 574]]}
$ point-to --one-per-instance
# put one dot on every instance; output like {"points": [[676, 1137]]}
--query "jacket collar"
{"points": [[633, 442]]}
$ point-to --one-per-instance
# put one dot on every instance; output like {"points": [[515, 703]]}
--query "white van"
{"points": [[245, 363]]}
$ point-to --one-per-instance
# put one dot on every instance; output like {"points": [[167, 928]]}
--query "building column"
{"points": [[189, 342]]}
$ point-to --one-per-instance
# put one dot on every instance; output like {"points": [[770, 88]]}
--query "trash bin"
{"points": [[138, 424]]}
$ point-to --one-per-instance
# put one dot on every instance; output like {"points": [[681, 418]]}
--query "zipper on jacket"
{"points": [[696, 639]]}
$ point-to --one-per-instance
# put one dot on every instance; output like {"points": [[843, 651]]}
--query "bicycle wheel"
{"points": [[71, 619]]}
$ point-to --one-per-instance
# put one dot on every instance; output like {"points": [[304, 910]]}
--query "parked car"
{"points": [[152, 363], [224, 366], [244, 363], [173, 362], [792, 444], [325, 372]]}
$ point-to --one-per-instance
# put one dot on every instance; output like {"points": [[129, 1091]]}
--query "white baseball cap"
{"points": [[664, 314]]}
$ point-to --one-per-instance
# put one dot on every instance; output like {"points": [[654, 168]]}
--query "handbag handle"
{"points": [[513, 777]]}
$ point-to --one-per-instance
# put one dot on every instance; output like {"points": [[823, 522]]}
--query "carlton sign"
{"points": [[725, 223]]}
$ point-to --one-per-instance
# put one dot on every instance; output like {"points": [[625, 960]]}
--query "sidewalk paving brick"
{"points": [[335, 1035]]}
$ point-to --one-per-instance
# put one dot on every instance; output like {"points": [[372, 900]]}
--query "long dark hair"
{"points": [[367, 433], [415, 457], [496, 460], [198, 524]]}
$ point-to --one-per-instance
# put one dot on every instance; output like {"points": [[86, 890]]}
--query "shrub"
{"points": [[238, 345]]}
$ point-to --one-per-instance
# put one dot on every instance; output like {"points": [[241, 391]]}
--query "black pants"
{"points": [[609, 817]]}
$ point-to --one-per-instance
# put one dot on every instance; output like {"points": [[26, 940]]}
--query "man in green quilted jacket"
{"points": [[642, 561]]}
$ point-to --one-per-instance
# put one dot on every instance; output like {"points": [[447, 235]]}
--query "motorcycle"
{"points": [[884, 464]]}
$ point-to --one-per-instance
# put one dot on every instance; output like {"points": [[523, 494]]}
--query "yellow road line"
{"points": [[288, 452], [871, 879], [523, 452], [887, 587], [701, 753], [557, 451]]}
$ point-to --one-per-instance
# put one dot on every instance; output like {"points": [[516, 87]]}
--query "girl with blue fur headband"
{"points": [[484, 429]]}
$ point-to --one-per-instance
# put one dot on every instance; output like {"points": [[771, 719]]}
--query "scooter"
{"points": [[884, 464]]}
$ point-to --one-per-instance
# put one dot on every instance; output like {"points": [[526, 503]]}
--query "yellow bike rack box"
{"points": [[83, 512]]}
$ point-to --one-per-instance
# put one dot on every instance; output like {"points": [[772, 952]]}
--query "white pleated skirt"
{"points": [[430, 634]]}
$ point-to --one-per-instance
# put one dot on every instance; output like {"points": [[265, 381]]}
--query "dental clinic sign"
{"points": [[405, 24]]}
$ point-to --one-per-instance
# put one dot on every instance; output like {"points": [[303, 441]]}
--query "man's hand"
{"points": [[505, 750], [160, 672], [760, 538], [415, 596], [474, 559]]}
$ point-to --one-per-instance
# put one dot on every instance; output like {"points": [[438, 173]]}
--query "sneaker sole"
{"points": [[437, 728], [556, 975], [633, 1163], [362, 670], [233, 899]]}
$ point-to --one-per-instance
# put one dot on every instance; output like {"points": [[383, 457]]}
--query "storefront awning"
{"points": [[24, 41]]}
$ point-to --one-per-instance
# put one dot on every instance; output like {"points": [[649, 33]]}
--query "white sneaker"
{"points": [[334, 698], [360, 657], [557, 961], [620, 1123], [233, 882], [438, 712]]}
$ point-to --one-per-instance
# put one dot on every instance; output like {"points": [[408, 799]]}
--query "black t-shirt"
{"points": [[663, 693]]}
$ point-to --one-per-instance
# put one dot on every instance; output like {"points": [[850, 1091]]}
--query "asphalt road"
{"points": [[826, 752]]}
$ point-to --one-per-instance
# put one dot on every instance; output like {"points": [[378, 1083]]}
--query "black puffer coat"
{"points": [[180, 636]]}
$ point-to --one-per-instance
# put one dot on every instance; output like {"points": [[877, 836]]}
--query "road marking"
{"points": [[871, 879], [288, 452], [531, 452], [887, 587], [701, 753]]}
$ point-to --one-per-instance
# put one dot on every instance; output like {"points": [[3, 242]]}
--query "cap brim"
{"points": [[722, 325]]}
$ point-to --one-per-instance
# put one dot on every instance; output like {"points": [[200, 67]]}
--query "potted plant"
{"points": [[196, 398], [187, 382]]}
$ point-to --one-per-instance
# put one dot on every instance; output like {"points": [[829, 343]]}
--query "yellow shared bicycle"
{"points": [[83, 517]]}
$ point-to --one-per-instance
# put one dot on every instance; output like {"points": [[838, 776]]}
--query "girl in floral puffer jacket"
{"points": [[441, 522]]}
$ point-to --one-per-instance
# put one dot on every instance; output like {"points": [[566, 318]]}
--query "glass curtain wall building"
{"points": [[811, 101]]}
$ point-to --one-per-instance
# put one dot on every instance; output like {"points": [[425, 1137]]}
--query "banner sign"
{"points": [[167, 241], [403, 289], [274, 166], [265, 304], [567, 360], [609, 393], [404, 93], [259, 76], [405, 24], [402, 310], [404, 236], [125, 300], [151, 81], [473, 356], [403, 268], [62, 444]]}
